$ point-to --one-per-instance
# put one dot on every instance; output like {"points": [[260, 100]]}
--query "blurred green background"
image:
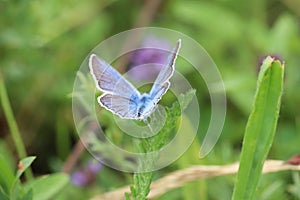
{"points": [[43, 43]]}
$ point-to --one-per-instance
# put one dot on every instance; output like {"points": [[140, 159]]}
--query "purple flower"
{"points": [[152, 54], [87, 174], [79, 178]]}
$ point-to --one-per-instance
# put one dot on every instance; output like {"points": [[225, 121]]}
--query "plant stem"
{"points": [[13, 126]]}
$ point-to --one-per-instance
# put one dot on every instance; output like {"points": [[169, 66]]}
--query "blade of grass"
{"points": [[6, 176], [13, 125], [47, 187], [260, 128]]}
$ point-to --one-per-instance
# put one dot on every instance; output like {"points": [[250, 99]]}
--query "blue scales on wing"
{"points": [[122, 106], [118, 93], [108, 79], [162, 84]]}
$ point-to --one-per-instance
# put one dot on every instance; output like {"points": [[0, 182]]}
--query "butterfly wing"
{"points": [[109, 80], [162, 84], [121, 106], [119, 95]]}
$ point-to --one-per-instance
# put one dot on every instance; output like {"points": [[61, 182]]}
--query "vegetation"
{"points": [[43, 43]]}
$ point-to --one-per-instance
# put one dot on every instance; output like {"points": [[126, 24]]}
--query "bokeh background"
{"points": [[43, 43]]}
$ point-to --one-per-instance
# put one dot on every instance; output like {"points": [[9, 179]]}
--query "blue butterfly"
{"points": [[121, 97]]}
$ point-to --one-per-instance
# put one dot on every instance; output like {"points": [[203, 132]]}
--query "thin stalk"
{"points": [[13, 126]]}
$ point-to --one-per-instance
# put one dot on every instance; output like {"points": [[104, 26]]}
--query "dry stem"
{"points": [[179, 178]]}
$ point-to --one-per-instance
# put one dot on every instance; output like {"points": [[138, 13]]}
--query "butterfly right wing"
{"points": [[109, 80], [122, 106], [162, 84]]}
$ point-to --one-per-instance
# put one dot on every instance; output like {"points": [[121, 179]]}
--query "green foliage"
{"points": [[42, 188], [12, 123], [23, 165], [260, 129], [6, 176], [47, 187], [42, 44], [142, 181]]}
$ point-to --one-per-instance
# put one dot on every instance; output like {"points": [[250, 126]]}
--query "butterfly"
{"points": [[121, 97]]}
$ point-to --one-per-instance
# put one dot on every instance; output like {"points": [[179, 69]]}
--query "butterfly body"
{"points": [[121, 97], [145, 106]]}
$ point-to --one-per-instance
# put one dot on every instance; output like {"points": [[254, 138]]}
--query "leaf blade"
{"points": [[47, 186], [260, 129]]}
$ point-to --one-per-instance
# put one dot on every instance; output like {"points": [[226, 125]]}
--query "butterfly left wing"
{"points": [[123, 107], [162, 84], [119, 96], [109, 80]]}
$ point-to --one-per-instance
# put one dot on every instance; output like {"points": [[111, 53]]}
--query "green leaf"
{"points": [[127, 196], [260, 129], [24, 164], [142, 181], [132, 190], [47, 187], [17, 189], [3, 196], [28, 195], [6, 175]]}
